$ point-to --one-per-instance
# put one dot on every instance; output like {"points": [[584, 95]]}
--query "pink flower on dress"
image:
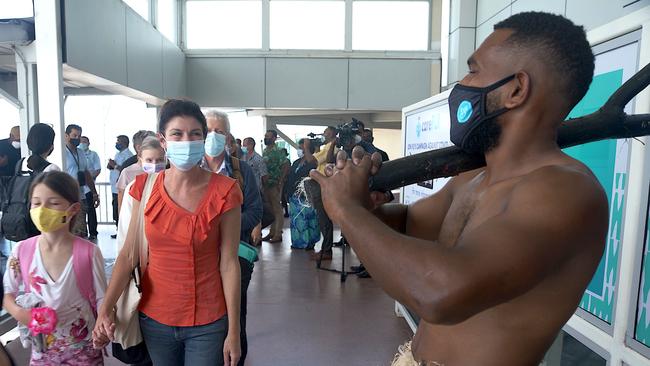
{"points": [[35, 281], [79, 330], [43, 321]]}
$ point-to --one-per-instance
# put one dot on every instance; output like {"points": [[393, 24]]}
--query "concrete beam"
{"points": [[85, 91]]}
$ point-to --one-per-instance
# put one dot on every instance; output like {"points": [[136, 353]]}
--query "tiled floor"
{"points": [[298, 315]]}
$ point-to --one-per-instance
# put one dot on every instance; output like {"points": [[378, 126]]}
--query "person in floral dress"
{"points": [[52, 278]]}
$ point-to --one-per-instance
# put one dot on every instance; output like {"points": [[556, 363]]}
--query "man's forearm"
{"points": [[409, 269], [90, 182], [393, 215], [330, 152]]}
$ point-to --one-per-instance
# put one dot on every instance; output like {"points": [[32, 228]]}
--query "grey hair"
{"points": [[140, 136], [216, 114], [151, 143]]}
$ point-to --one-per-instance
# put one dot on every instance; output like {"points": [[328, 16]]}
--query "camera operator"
{"points": [[326, 155], [349, 136], [368, 138]]}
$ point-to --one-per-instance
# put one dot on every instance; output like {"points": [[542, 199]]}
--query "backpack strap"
{"points": [[26, 251], [19, 167], [236, 172], [82, 263]]}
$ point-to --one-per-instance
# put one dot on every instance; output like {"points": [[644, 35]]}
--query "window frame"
{"points": [[153, 9], [345, 16], [429, 25], [265, 50], [183, 26], [150, 7]]}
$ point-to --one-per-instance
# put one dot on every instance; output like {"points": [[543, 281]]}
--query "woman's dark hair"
{"points": [[312, 148], [62, 184], [40, 140], [181, 107]]}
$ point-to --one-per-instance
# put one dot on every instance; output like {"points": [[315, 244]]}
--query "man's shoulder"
{"points": [[570, 189]]}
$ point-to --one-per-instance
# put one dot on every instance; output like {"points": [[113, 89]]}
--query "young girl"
{"points": [[63, 272]]}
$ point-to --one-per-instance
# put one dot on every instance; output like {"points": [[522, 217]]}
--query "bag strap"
{"points": [[26, 251], [82, 264], [236, 172], [141, 239], [19, 167]]}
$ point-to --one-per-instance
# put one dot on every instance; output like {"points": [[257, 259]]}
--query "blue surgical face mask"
{"points": [[184, 155], [118, 147], [215, 143], [83, 146], [468, 110], [244, 150]]}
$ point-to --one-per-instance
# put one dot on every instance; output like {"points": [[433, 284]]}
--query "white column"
{"points": [[27, 91], [461, 40], [266, 25], [47, 19], [348, 25]]}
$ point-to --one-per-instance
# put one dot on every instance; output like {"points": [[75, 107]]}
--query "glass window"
{"points": [[113, 115], [166, 19], [390, 25], [9, 117], [307, 24], [16, 9], [140, 6], [224, 24]]}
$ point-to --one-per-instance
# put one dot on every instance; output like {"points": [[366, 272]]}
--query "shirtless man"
{"points": [[496, 262]]}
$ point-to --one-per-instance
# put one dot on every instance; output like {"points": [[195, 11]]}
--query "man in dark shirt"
{"points": [[368, 138], [10, 152]]}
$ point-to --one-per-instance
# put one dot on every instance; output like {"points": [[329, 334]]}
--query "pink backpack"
{"points": [[82, 264]]}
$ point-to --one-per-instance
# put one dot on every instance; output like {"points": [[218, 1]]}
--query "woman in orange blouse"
{"points": [[191, 287]]}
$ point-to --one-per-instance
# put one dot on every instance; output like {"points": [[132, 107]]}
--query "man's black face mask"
{"points": [[468, 112]]}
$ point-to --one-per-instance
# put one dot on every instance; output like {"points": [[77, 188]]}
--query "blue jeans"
{"points": [[176, 346]]}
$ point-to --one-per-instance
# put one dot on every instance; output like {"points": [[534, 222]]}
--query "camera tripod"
{"points": [[344, 274]]}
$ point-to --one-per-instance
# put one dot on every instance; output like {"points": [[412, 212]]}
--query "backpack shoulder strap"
{"points": [[82, 263], [19, 166], [236, 172], [26, 250]]}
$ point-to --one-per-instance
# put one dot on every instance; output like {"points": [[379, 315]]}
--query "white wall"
{"points": [[588, 13], [390, 141], [471, 21], [323, 83], [110, 40]]}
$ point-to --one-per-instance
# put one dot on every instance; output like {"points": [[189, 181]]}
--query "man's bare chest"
{"points": [[473, 206]]}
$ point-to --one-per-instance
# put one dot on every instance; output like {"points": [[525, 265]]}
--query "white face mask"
{"points": [[151, 168], [15, 144], [301, 153], [357, 139]]}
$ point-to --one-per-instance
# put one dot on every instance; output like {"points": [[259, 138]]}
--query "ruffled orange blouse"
{"points": [[182, 283]]}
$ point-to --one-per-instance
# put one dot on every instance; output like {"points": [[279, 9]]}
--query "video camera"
{"points": [[316, 139], [347, 132]]}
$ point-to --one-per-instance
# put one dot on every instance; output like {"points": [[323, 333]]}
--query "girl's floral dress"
{"points": [[71, 342]]}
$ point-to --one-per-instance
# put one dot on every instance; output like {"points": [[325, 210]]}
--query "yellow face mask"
{"points": [[47, 219]]}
